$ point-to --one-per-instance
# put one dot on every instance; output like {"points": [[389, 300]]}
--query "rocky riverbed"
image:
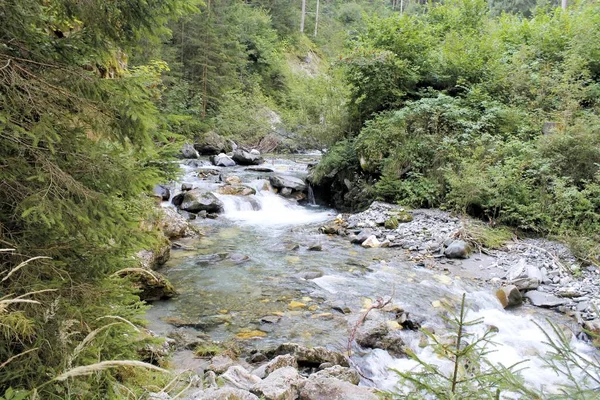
{"points": [[271, 277], [545, 272]]}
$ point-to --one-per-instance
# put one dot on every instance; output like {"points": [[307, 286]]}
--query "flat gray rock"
{"points": [[542, 299]]}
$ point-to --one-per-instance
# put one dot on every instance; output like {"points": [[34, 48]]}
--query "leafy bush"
{"points": [[493, 116]]}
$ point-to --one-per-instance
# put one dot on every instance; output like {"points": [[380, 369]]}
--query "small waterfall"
{"points": [[311, 195], [268, 209]]}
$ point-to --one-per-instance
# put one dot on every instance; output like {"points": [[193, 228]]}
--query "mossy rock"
{"points": [[391, 223], [151, 284], [404, 217]]}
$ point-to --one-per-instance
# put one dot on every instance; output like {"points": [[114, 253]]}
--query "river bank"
{"points": [[269, 271]]}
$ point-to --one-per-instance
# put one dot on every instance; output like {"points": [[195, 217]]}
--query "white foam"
{"points": [[519, 340]]}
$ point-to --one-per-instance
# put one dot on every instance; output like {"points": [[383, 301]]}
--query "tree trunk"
{"points": [[564, 4], [302, 16], [205, 68], [317, 19]]}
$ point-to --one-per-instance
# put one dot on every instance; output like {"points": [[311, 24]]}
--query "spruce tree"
{"points": [[79, 139]]}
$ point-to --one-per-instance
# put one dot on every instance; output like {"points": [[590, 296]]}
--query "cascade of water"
{"points": [[267, 208], [311, 195]]}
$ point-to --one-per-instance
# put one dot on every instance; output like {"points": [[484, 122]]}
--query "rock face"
{"points": [[457, 249], [188, 151], [222, 160], [246, 158], [211, 144], [197, 200], [509, 296], [162, 191], [290, 182]]}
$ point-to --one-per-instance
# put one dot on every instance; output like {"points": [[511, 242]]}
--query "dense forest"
{"points": [[488, 109]]}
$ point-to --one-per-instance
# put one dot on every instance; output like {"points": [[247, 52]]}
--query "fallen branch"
{"points": [[554, 258], [378, 304]]}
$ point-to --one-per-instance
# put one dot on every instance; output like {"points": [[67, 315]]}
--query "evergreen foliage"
{"points": [[80, 137]]}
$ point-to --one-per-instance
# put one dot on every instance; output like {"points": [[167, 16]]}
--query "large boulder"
{"points": [[457, 249], [222, 160], [286, 181], [243, 157], [212, 144], [188, 151], [361, 236], [281, 384], [197, 200], [174, 225]]}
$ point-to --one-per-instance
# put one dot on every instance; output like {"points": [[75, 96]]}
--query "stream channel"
{"points": [[246, 278]]}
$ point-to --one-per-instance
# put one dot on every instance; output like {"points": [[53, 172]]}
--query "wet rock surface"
{"points": [[197, 200], [280, 378]]}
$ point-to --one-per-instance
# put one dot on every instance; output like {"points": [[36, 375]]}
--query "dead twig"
{"points": [[554, 258], [378, 304]]}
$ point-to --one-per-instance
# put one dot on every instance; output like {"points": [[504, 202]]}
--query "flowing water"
{"points": [[246, 278]]}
